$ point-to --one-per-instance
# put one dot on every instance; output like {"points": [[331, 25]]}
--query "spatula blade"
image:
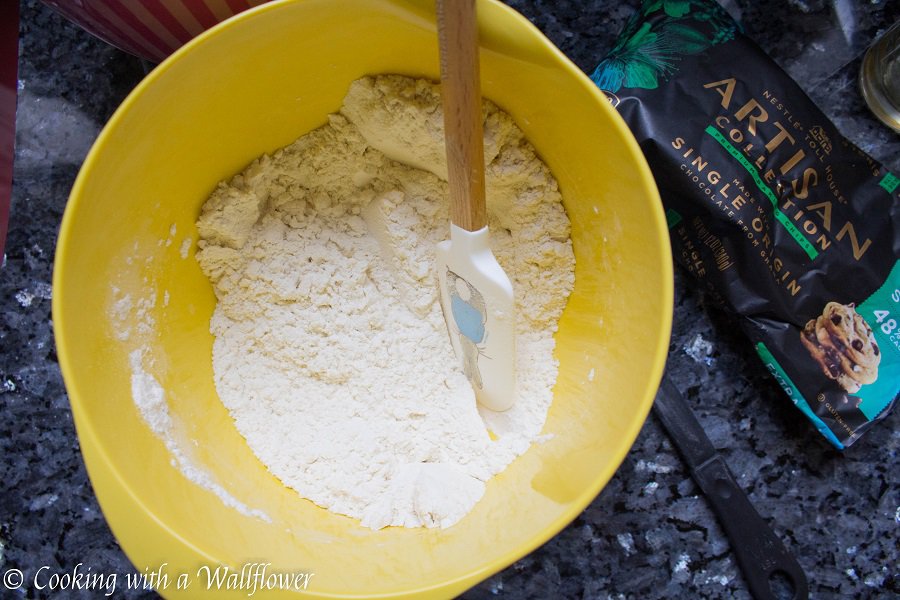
{"points": [[477, 299]]}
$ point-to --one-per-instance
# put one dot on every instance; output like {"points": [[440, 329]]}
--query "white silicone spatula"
{"points": [[476, 294]]}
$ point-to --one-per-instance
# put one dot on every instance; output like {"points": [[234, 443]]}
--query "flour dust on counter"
{"points": [[331, 352]]}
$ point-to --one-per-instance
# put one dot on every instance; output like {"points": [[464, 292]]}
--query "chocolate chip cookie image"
{"points": [[843, 345]]}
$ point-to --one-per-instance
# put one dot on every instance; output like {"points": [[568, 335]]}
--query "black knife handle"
{"points": [[759, 553]]}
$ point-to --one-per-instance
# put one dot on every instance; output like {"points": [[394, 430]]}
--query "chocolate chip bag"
{"points": [[776, 215]]}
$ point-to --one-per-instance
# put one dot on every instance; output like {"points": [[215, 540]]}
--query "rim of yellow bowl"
{"points": [[658, 227]]}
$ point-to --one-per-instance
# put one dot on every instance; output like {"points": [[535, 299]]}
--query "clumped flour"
{"points": [[331, 352]]}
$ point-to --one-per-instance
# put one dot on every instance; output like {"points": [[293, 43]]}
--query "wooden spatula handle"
{"points": [[461, 89]]}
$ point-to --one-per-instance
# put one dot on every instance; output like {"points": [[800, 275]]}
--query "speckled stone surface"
{"points": [[649, 534]]}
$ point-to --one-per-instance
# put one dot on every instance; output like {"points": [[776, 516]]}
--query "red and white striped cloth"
{"points": [[151, 29], [9, 54]]}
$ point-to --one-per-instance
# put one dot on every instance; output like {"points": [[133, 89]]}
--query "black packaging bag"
{"points": [[777, 216]]}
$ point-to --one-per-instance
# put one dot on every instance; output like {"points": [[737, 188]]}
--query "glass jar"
{"points": [[879, 77]]}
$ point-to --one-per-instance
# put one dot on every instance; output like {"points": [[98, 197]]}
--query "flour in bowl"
{"points": [[331, 352]]}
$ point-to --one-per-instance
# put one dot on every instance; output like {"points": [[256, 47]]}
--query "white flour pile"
{"points": [[331, 351]]}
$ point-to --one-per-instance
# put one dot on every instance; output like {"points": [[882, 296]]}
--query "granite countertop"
{"points": [[649, 534]]}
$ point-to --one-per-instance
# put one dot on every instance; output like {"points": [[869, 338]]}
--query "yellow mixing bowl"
{"points": [[250, 86]]}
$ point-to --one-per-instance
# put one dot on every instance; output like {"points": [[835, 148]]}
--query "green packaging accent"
{"points": [[672, 218], [782, 218], [882, 312], [889, 182], [794, 394]]}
